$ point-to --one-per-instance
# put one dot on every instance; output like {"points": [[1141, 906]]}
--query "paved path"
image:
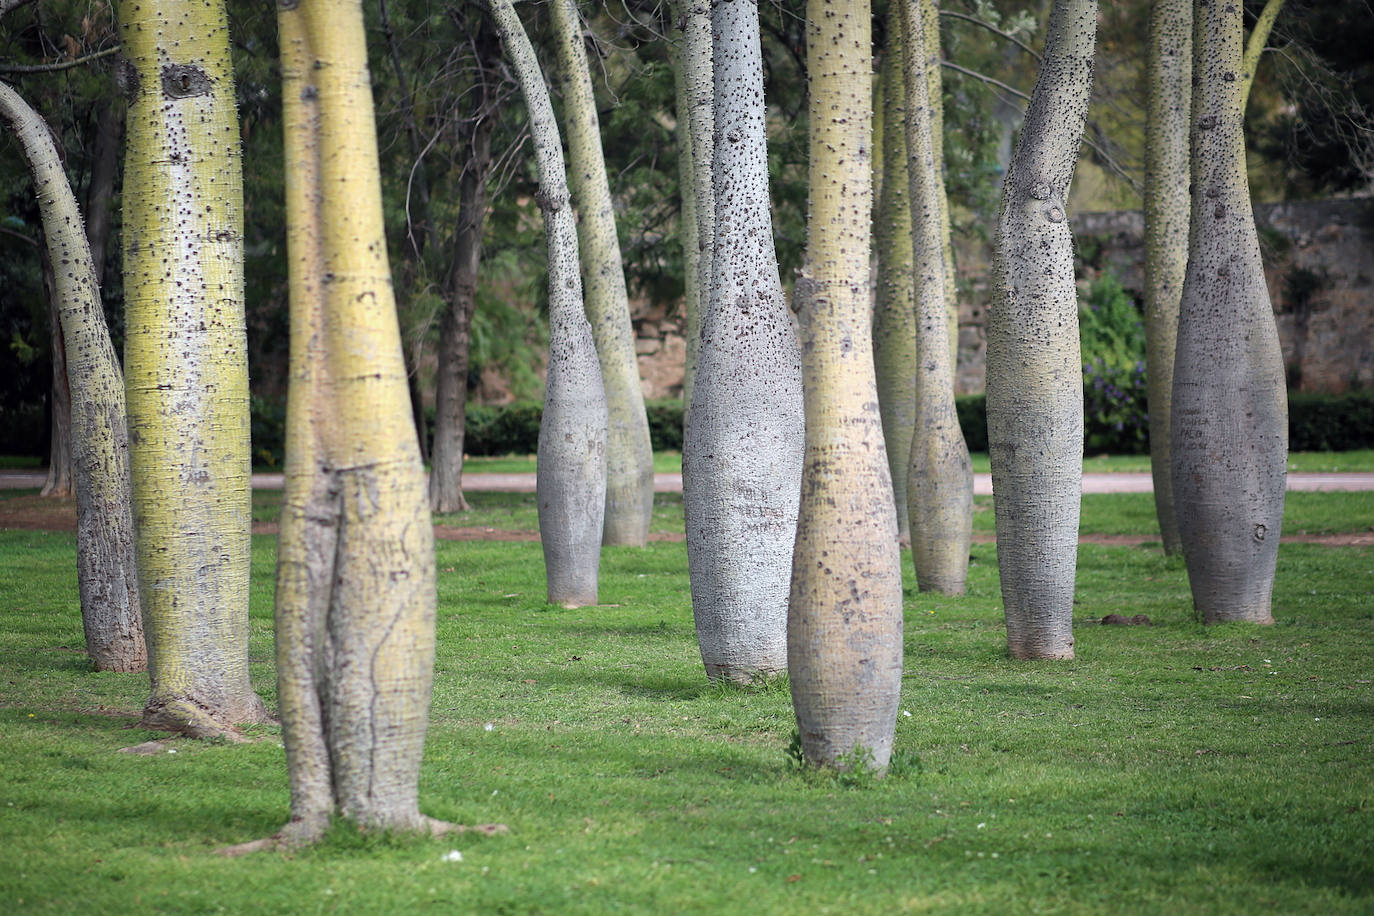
{"points": [[1132, 482]]}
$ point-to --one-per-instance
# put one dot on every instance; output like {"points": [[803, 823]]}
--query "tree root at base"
{"points": [[307, 831]]}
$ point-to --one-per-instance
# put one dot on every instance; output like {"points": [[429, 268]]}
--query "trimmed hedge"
{"points": [[1316, 423]]}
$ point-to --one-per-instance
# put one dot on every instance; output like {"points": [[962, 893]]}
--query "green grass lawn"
{"points": [[1170, 769]]}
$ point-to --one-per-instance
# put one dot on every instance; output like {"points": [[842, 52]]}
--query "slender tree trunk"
{"points": [[105, 568], [1035, 379], [104, 173], [455, 331], [940, 487], [894, 313], [697, 123], [355, 573], [186, 366], [1168, 75], [1254, 48], [844, 622], [741, 460], [571, 481], [629, 454], [1230, 405], [936, 92], [59, 484]]}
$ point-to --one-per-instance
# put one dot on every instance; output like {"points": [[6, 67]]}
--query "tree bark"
{"points": [[894, 313], [1034, 374], [455, 330], [571, 478], [355, 574], [741, 461], [696, 144], [105, 569], [1230, 405], [186, 367], [940, 486], [844, 622], [629, 454], [1168, 65]]}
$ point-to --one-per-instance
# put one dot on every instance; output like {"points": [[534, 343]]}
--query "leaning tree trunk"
{"points": [[1034, 378], [1254, 49], [696, 144], [629, 455], [355, 571], [105, 570], [571, 480], [741, 461], [455, 330], [844, 622], [894, 310], [940, 486], [186, 370], [1230, 406], [1168, 75]]}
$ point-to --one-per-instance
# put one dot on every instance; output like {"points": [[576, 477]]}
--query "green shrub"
{"points": [[1331, 422]]}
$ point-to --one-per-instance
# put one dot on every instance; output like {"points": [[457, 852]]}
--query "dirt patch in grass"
{"points": [[35, 513]]}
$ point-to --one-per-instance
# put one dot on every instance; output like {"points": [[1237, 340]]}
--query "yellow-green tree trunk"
{"points": [[1230, 404], [185, 363], [571, 477], [844, 623], [940, 483], [629, 455], [1034, 374], [106, 572], [1168, 65], [355, 573], [894, 310]]}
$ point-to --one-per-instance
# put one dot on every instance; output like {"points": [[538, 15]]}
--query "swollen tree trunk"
{"points": [[105, 569], [571, 479], [1230, 406], [455, 330], [940, 486], [894, 311], [741, 458], [1035, 380], [696, 143], [355, 570], [844, 622], [186, 368], [1168, 75], [629, 454]]}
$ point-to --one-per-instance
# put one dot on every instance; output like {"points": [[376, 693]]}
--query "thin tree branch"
{"points": [[8, 6], [994, 30], [53, 68], [19, 235]]}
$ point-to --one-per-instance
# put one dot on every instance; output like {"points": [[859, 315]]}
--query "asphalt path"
{"points": [[1124, 482]]}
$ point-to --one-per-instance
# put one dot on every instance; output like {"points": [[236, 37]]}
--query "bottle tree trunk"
{"points": [[571, 478], [1169, 66], [455, 329], [741, 461], [1230, 407], [1034, 375], [105, 570], [844, 622], [355, 573], [629, 455], [696, 142], [940, 485], [894, 311], [186, 370]]}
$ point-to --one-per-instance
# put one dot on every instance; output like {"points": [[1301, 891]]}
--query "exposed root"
{"points": [[444, 828], [191, 720], [298, 832]]}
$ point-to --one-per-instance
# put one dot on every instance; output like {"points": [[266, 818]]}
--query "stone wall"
{"points": [[1319, 261]]}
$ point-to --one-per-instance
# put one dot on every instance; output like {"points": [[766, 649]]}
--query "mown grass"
{"points": [[1172, 768]]}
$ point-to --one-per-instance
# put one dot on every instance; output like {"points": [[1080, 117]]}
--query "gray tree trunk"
{"points": [[741, 462], [940, 485], [1169, 65], [1034, 374], [629, 454], [894, 311], [571, 478], [696, 143], [106, 574], [1230, 405]]}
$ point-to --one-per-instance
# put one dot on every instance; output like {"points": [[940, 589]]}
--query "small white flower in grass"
{"points": [[452, 855], [171, 750], [907, 713], [994, 855], [488, 727], [752, 869], [982, 825]]}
